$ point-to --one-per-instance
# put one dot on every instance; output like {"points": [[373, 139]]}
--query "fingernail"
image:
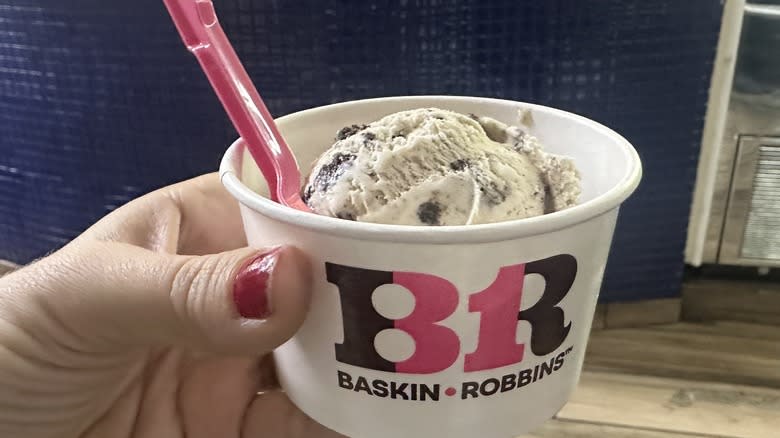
{"points": [[252, 284]]}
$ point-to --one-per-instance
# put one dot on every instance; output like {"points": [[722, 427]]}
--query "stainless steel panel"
{"points": [[751, 235], [754, 110]]}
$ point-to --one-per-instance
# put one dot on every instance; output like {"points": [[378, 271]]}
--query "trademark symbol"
{"points": [[568, 350]]}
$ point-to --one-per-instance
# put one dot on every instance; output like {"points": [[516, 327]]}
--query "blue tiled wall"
{"points": [[99, 102]]}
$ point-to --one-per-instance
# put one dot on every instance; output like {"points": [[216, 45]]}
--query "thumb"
{"points": [[240, 302]]}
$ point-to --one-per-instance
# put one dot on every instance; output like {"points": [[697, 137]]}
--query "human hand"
{"points": [[156, 322]]}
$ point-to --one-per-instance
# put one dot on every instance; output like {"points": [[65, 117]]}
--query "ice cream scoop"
{"points": [[431, 166]]}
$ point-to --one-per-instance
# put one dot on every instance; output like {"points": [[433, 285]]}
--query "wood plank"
{"points": [[725, 328], [689, 355], [599, 318], [674, 405], [756, 302], [643, 313], [578, 429]]}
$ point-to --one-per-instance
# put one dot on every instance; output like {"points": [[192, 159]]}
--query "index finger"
{"points": [[194, 217], [210, 218]]}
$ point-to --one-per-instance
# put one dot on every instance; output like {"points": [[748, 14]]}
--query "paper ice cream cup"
{"points": [[458, 331]]}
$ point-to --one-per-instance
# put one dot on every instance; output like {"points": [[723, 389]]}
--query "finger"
{"points": [[213, 395], [272, 414], [210, 217], [151, 222], [193, 217], [244, 301], [266, 371]]}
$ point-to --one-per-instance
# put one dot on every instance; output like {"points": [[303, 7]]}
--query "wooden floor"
{"points": [[683, 380]]}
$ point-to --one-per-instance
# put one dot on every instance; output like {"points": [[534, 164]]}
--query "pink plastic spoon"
{"points": [[199, 27]]}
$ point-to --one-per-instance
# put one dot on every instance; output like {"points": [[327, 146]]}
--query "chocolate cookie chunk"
{"points": [[459, 165], [331, 172], [349, 131], [429, 213]]}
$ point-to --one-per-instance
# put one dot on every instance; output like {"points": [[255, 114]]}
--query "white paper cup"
{"points": [[442, 331]]}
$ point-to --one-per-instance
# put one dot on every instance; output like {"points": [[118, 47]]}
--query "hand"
{"points": [[156, 322]]}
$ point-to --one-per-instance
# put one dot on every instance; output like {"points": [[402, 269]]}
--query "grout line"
{"points": [[691, 377], [644, 428]]}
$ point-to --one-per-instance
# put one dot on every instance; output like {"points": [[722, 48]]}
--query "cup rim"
{"points": [[511, 229]]}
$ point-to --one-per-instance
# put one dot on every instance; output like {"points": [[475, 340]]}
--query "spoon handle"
{"points": [[198, 25]]}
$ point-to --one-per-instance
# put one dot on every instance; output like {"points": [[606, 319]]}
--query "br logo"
{"points": [[438, 347]]}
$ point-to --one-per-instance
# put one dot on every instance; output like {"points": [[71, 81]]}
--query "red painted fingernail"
{"points": [[252, 283]]}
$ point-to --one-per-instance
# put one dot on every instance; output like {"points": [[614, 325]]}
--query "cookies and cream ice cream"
{"points": [[436, 167]]}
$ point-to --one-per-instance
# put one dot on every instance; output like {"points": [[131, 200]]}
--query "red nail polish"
{"points": [[251, 286]]}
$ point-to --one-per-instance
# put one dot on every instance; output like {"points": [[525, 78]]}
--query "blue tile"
{"points": [[91, 90]]}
